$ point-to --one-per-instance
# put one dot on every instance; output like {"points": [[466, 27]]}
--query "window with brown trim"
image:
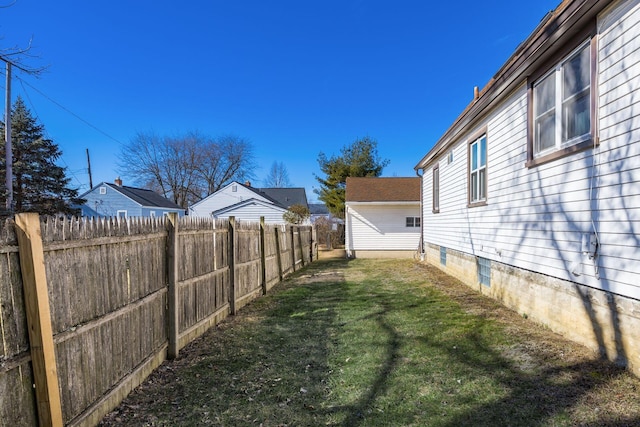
{"points": [[436, 189], [477, 177], [561, 102]]}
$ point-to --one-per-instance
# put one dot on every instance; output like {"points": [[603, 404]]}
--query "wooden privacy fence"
{"points": [[89, 308]]}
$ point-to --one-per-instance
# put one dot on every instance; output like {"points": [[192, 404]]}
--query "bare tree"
{"points": [[188, 167], [278, 176], [225, 159]]}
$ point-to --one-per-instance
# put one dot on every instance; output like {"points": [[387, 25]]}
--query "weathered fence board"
{"points": [[108, 285]]}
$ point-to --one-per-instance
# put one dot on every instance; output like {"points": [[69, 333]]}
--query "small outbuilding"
{"points": [[382, 217]]}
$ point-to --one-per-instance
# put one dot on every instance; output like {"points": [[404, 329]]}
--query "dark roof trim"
{"points": [[563, 23]]}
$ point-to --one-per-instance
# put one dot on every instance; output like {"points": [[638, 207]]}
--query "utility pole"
{"points": [[7, 126], [7, 143], [89, 170]]}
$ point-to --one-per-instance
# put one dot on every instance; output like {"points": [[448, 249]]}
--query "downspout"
{"points": [[421, 242]]}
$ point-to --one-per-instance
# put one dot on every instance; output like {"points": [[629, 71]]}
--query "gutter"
{"points": [[421, 242]]}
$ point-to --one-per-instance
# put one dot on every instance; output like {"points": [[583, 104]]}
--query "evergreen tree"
{"points": [[360, 159], [39, 184]]}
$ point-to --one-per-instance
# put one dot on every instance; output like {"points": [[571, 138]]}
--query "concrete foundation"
{"points": [[607, 323]]}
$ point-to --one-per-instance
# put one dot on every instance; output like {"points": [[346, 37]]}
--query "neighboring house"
{"points": [[247, 203], [318, 210], [382, 217], [116, 200], [532, 196]]}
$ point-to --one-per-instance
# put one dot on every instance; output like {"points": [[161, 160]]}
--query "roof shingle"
{"points": [[396, 189]]}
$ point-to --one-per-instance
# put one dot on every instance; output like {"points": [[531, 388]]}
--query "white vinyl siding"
{"points": [[382, 227], [223, 198], [537, 216], [253, 212]]}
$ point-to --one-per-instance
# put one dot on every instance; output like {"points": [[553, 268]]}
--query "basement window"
{"points": [[443, 255], [484, 271]]}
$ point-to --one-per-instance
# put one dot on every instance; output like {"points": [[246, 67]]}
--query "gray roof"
{"points": [[144, 197], [318, 209], [284, 197]]}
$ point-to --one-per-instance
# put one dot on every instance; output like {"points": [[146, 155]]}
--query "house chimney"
{"points": [[247, 183], [118, 182]]}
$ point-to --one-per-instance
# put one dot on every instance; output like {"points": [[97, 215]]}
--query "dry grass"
{"points": [[379, 343]]}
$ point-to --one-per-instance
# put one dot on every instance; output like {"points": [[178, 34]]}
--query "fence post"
{"points": [[293, 250], [276, 230], [313, 243], [263, 258], [173, 297], [232, 265], [301, 245], [36, 296]]}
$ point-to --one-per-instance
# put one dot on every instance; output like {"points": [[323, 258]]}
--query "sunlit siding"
{"points": [[382, 227], [535, 218], [253, 212], [223, 198], [618, 158]]}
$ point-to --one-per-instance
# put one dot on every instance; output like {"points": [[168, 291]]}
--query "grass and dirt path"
{"points": [[381, 343]]}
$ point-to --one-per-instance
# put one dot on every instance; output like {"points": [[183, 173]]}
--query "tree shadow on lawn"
{"points": [[533, 397], [265, 366], [272, 365]]}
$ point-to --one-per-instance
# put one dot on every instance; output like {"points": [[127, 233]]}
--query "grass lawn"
{"points": [[381, 343]]}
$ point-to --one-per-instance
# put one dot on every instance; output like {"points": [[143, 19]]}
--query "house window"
{"points": [[478, 171], [450, 157], [443, 255], [103, 190], [413, 221], [122, 214], [562, 102], [484, 271], [234, 188], [436, 189], [152, 214]]}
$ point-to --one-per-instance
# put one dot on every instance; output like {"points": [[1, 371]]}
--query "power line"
{"points": [[53, 101], [33, 107]]}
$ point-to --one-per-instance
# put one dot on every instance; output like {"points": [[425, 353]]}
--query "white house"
{"points": [[382, 217], [248, 203], [532, 196]]}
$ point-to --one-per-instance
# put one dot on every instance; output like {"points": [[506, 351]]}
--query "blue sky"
{"points": [[293, 77]]}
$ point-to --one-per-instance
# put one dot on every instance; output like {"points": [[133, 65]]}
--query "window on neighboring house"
{"points": [[413, 221], [122, 214], [152, 214], [562, 105], [478, 170], [436, 189], [103, 190]]}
